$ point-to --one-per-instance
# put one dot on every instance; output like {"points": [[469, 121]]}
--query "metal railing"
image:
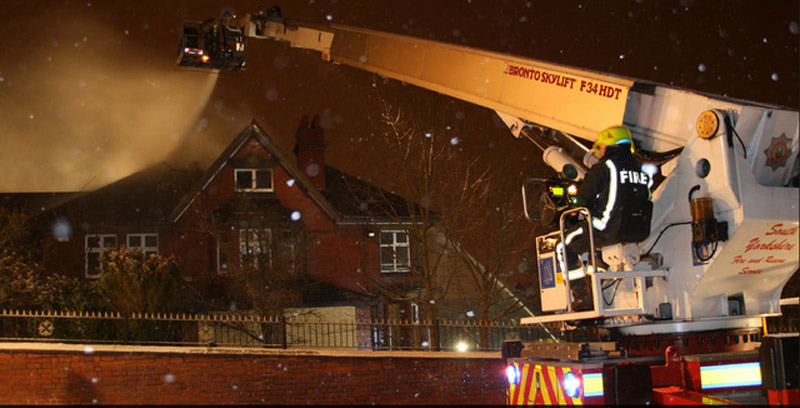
{"points": [[243, 330]]}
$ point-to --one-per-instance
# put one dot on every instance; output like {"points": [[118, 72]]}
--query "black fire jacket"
{"points": [[617, 193]]}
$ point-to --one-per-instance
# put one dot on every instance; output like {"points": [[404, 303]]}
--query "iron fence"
{"points": [[243, 330]]}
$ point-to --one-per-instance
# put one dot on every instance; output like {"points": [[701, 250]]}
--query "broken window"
{"points": [[96, 244], [253, 180], [394, 251], [254, 247]]}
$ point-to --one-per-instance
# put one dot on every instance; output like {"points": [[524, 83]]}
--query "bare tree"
{"points": [[259, 264], [434, 179], [493, 254], [460, 209]]}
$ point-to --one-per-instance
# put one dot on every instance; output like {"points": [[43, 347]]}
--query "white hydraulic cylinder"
{"points": [[558, 160]]}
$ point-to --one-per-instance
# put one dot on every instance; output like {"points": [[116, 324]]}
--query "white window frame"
{"points": [[253, 177], [396, 266], [143, 248], [257, 245], [96, 250]]}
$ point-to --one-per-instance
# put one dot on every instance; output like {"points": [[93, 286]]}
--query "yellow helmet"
{"points": [[613, 136]]}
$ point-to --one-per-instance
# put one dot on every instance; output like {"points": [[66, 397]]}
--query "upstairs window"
{"points": [[395, 254], [254, 248], [253, 180], [144, 244], [96, 244]]}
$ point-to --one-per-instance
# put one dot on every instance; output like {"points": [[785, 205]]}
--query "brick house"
{"points": [[256, 207]]}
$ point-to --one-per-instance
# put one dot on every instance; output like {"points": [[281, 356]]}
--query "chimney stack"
{"points": [[310, 151]]}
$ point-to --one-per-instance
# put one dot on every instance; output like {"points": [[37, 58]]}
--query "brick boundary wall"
{"points": [[40, 374]]}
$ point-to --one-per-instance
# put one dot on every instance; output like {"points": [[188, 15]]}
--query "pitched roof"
{"points": [[37, 203], [144, 198], [255, 131], [355, 200], [340, 200]]}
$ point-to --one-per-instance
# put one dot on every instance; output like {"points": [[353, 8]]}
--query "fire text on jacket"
{"points": [[636, 177]]}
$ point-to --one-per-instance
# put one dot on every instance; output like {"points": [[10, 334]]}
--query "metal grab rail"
{"points": [[585, 212], [525, 210]]}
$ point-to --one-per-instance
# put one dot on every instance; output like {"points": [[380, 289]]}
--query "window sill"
{"points": [[254, 191]]}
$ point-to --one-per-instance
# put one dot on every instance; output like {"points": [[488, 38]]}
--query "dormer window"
{"points": [[253, 180]]}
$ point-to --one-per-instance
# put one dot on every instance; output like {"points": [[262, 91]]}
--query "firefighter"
{"points": [[616, 191]]}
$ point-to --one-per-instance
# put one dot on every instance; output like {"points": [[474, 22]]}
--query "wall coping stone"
{"points": [[88, 349]]}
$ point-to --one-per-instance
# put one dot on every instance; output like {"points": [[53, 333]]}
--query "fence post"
{"points": [[283, 332], [127, 330], [437, 339]]}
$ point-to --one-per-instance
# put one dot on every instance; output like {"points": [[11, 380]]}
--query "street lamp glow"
{"points": [[461, 346]]}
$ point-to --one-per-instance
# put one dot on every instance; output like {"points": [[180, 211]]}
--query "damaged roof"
{"points": [[159, 195], [144, 198], [360, 202]]}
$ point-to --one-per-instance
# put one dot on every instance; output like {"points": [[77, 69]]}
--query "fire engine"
{"points": [[685, 305]]}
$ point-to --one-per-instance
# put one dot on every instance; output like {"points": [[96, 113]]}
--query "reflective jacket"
{"points": [[617, 193]]}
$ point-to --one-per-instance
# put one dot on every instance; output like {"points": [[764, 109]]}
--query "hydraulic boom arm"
{"points": [[573, 101]]}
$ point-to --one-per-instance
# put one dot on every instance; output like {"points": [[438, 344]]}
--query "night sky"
{"points": [[89, 94]]}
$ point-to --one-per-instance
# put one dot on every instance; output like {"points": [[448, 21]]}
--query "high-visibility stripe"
{"points": [[542, 396], [560, 254], [515, 390], [528, 381], [730, 375], [520, 393], [549, 389], [547, 382], [593, 385], [573, 234], [531, 385], [600, 223], [568, 400], [650, 170], [512, 393], [576, 274], [564, 399], [557, 394]]}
